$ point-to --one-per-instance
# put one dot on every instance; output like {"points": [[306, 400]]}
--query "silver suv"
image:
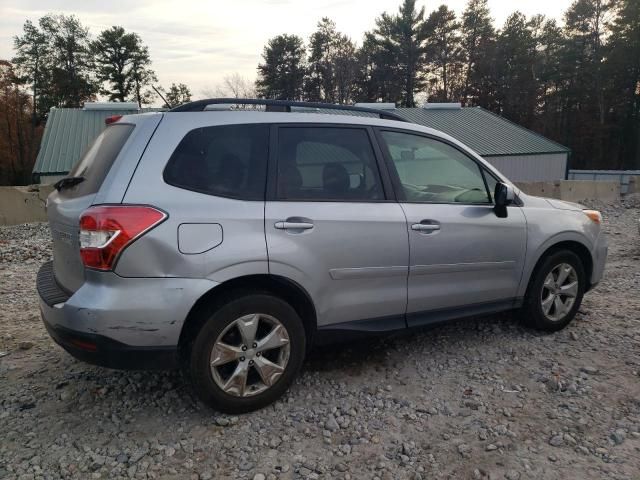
{"points": [[228, 242]]}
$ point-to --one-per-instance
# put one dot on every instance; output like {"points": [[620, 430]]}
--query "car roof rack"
{"points": [[281, 106]]}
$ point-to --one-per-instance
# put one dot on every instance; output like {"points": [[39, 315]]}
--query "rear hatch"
{"points": [[74, 195]]}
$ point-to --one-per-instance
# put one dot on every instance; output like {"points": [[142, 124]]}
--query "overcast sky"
{"points": [[199, 42]]}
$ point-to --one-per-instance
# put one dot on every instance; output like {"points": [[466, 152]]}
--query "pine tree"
{"points": [[122, 65], [176, 95], [331, 65], [624, 57], [71, 82], [517, 87], [444, 50], [31, 64], [478, 45], [281, 74], [401, 51]]}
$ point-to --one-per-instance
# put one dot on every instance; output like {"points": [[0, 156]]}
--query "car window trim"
{"points": [[379, 164], [395, 178]]}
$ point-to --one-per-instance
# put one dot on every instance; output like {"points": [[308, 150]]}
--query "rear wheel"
{"points": [[247, 353], [555, 292]]}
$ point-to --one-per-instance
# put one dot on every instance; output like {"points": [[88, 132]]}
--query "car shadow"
{"points": [[373, 349]]}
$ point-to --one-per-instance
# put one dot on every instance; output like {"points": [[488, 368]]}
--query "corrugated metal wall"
{"points": [[531, 168]]}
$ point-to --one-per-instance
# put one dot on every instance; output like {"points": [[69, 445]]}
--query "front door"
{"points": [[464, 258], [330, 228]]}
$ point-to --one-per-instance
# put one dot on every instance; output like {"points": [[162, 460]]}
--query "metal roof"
{"points": [[486, 133], [67, 134], [69, 131], [490, 135]]}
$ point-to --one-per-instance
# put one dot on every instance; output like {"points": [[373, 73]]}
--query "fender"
{"points": [[538, 252]]}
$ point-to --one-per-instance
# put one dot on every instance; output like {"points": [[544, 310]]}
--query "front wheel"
{"points": [[555, 292], [247, 353]]}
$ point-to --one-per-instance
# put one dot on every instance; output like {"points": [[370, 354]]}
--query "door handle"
{"points": [[293, 225], [425, 227]]}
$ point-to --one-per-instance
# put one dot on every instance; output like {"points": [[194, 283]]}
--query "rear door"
{"points": [[330, 227], [64, 207], [464, 258]]}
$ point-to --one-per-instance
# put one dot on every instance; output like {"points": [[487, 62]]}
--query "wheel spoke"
{"points": [[570, 289], [269, 371], [274, 339], [549, 282], [247, 326], [223, 354], [237, 382], [547, 302], [559, 307], [563, 273]]}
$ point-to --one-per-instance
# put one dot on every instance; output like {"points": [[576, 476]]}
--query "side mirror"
{"points": [[502, 197]]}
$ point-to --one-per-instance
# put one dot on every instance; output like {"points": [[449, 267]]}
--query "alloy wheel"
{"points": [[250, 355], [559, 292]]}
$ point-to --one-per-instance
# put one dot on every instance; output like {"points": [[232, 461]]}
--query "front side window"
{"points": [[227, 161], [327, 163], [432, 171]]}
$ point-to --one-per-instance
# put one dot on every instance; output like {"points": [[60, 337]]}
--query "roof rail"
{"points": [[281, 106]]}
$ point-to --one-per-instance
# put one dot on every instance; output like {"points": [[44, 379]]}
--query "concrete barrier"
{"points": [[573, 190], [27, 204], [23, 204]]}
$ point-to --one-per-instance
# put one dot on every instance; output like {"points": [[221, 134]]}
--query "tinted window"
{"points": [[317, 163], [433, 171], [97, 160], [227, 161]]}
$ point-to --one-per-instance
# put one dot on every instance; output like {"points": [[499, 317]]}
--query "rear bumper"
{"points": [[116, 322], [106, 352]]}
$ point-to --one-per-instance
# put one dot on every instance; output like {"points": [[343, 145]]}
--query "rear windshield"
{"points": [[97, 160]]}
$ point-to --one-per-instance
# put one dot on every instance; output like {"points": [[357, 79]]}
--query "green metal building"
{"points": [[521, 154], [68, 133]]}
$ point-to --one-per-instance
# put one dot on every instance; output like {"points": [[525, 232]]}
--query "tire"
{"points": [[538, 312], [232, 324]]}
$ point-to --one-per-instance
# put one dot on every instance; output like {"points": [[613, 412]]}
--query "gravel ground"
{"points": [[481, 398]]}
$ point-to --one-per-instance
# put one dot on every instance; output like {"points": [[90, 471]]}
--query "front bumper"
{"points": [[117, 322], [599, 259]]}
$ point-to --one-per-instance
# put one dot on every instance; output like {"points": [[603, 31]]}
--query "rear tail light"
{"points": [[112, 119], [105, 231]]}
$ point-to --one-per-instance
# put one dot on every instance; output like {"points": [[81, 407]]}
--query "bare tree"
{"points": [[232, 86]]}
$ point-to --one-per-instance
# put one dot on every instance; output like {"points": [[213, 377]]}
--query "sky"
{"points": [[200, 42]]}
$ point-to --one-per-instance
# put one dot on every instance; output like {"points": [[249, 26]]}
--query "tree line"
{"points": [[58, 63], [577, 82]]}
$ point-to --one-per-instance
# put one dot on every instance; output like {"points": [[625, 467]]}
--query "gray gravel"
{"points": [[481, 398]]}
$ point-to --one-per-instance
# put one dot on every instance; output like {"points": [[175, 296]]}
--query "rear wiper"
{"points": [[67, 182]]}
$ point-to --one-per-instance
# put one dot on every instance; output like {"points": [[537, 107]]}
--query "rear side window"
{"points": [[226, 161], [97, 160], [333, 164]]}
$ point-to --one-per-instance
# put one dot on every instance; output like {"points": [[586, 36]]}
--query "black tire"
{"points": [[532, 311], [198, 361]]}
